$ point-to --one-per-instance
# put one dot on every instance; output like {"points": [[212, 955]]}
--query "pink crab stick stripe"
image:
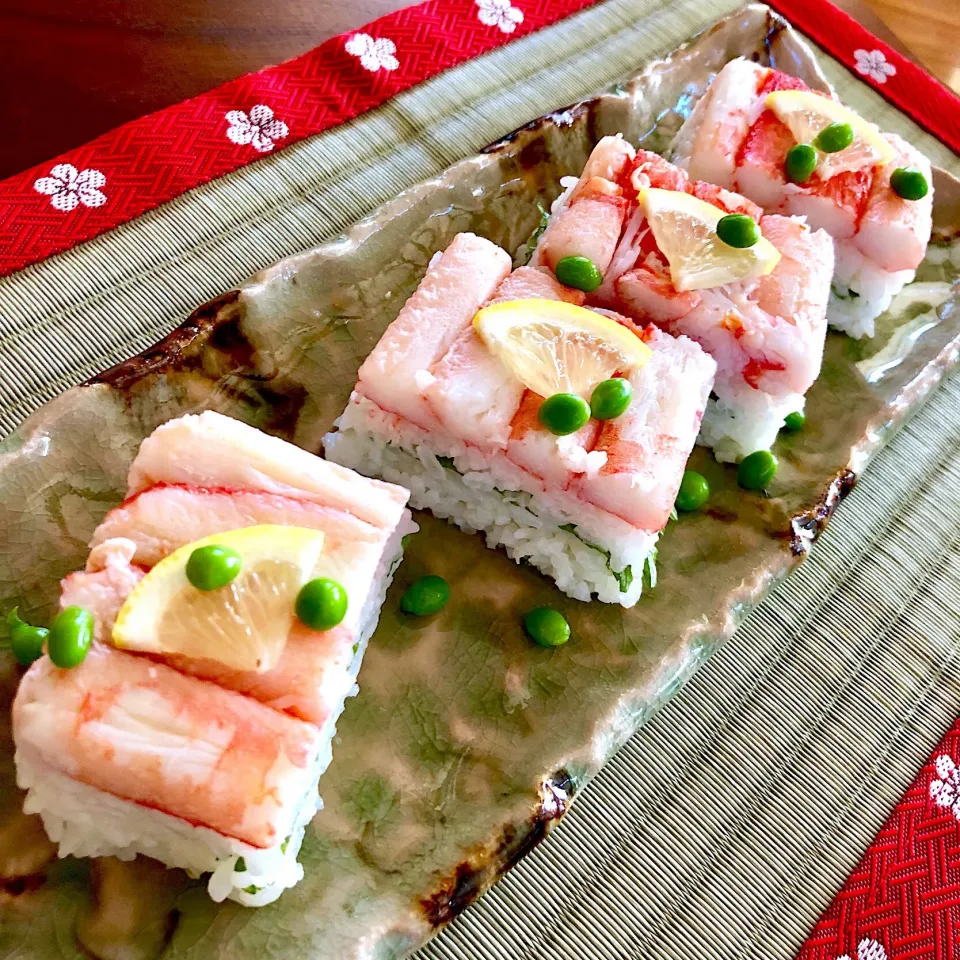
{"points": [[589, 220], [397, 371], [893, 231], [211, 450], [164, 517], [722, 128], [145, 733], [472, 393], [531, 283]]}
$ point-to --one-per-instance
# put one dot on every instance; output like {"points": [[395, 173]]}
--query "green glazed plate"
{"points": [[467, 742]]}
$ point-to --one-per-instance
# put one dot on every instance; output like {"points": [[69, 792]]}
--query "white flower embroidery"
{"points": [[873, 64], [374, 54], [260, 129], [945, 790], [499, 13], [868, 950], [68, 187]]}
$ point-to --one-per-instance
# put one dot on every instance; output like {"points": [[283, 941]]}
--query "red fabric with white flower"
{"points": [[150, 161], [259, 128], [902, 902], [67, 187]]}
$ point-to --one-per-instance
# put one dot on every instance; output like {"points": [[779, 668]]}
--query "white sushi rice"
{"points": [[587, 551], [737, 427], [87, 822], [861, 291]]}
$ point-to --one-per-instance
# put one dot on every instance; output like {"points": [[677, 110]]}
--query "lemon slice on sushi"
{"points": [[554, 347], [242, 624], [807, 114], [685, 229]]}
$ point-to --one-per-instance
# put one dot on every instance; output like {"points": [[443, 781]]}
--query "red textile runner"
{"points": [[902, 902]]}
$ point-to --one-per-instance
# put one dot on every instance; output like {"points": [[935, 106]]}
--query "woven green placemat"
{"points": [[725, 826]]}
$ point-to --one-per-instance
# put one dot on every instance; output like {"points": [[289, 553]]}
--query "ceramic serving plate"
{"points": [[467, 742]]}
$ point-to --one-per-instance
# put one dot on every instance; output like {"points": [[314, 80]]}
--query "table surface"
{"points": [[73, 71]]}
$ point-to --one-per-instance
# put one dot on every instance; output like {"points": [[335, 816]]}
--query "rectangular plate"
{"points": [[467, 742]]}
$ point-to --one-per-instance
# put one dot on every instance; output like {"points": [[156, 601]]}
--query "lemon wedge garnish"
{"points": [[807, 113], [685, 229], [243, 625], [554, 347]]}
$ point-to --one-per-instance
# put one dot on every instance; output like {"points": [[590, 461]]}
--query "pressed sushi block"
{"points": [[197, 726], [450, 403], [794, 151], [756, 304]]}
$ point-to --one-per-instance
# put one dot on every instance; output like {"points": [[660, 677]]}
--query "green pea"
{"points": [[563, 413], [800, 163], [26, 640], [909, 183], [581, 273], [213, 567], [834, 137], [26, 643], [321, 604], [738, 230], [694, 491], [757, 470], [425, 596], [546, 627], [70, 637], [794, 421], [611, 398]]}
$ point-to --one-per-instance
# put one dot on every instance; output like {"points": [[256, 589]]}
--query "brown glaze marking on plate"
{"points": [[472, 877], [178, 349], [467, 742], [807, 526], [211, 344]]}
